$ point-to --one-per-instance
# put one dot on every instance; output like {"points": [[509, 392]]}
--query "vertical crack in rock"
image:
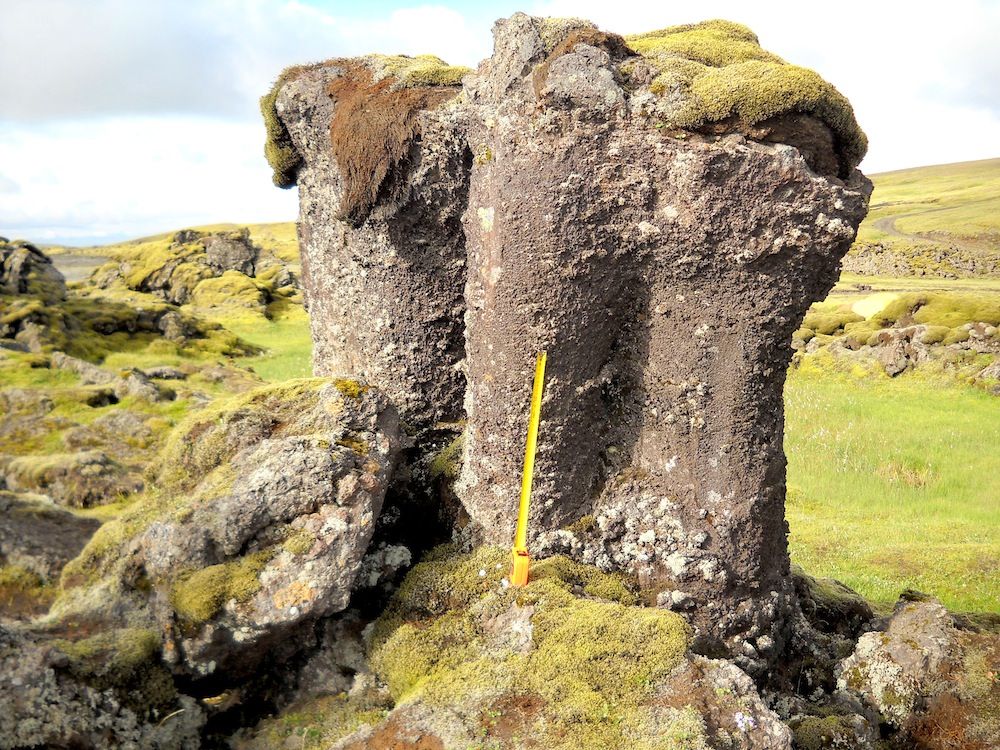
{"points": [[382, 183]]}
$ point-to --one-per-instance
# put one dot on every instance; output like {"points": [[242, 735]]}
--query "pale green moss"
{"points": [[447, 463], [815, 733], [199, 596], [279, 149], [950, 309], [934, 334], [421, 70], [593, 664], [316, 723], [299, 541], [231, 289], [827, 320], [351, 388], [125, 660], [717, 70]]}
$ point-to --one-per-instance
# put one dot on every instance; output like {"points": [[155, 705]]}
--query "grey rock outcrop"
{"points": [[383, 272], [262, 515], [126, 383], [897, 669], [929, 675], [24, 269], [231, 252]]}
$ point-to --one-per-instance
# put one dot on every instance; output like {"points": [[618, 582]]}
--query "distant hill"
{"points": [[941, 220]]}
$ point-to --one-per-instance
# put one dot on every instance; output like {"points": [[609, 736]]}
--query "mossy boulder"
{"points": [[79, 480], [829, 605], [931, 677], [79, 690], [26, 270], [716, 72], [255, 524], [210, 270]]}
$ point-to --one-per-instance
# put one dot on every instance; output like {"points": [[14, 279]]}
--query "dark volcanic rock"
{"points": [[665, 277], [231, 252], [384, 276], [658, 225]]}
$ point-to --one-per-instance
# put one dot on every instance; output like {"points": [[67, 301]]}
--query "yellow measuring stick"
{"points": [[521, 558]]}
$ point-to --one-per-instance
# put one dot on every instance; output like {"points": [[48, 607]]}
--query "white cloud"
{"points": [[128, 117], [131, 176]]}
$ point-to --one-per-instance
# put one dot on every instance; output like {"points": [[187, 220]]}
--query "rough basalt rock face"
{"points": [[382, 182], [929, 675], [657, 212], [665, 277]]}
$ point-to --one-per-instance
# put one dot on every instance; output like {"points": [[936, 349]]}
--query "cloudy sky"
{"points": [[120, 118]]}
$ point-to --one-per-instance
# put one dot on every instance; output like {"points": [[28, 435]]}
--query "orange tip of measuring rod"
{"points": [[521, 562]]}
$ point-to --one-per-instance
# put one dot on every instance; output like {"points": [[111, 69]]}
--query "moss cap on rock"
{"points": [[716, 71]]}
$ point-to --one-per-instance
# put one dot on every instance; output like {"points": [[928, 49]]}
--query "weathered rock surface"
{"points": [[261, 517], [24, 269], [384, 263], [55, 696], [37, 535], [665, 277], [636, 210], [126, 383], [934, 682]]}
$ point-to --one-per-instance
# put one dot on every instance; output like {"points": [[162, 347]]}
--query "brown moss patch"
{"points": [[372, 128], [395, 735]]}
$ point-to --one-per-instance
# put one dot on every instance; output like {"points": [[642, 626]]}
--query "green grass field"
{"points": [[895, 484]]}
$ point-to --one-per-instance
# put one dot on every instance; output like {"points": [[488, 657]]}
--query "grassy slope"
{"points": [[957, 200]]}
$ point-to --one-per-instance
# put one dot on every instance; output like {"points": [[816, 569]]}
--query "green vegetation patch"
{"points": [[199, 596], [317, 723], [194, 467], [893, 485], [593, 658], [947, 309], [279, 150], [718, 71], [23, 592], [421, 70]]}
